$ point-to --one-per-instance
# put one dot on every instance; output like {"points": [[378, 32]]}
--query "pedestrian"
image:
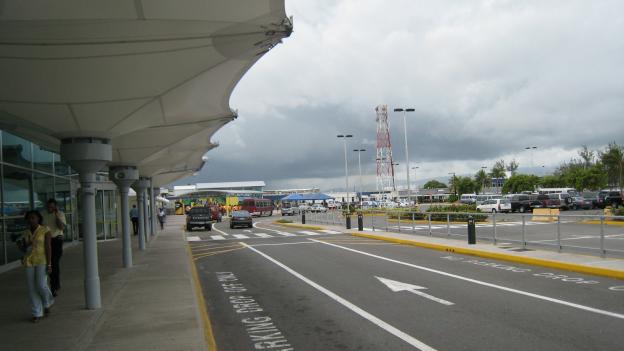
{"points": [[55, 221], [36, 243], [161, 217], [134, 217]]}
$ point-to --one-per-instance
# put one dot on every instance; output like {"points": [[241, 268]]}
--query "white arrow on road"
{"points": [[414, 289]]}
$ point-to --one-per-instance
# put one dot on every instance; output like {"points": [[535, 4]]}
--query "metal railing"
{"points": [[587, 233]]}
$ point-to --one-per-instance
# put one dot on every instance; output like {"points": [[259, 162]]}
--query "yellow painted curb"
{"points": [[302, 226], [208, 333], [605, 272], [620, 223]]}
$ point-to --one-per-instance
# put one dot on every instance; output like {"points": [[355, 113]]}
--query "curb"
{"points": [[619, 223], [209, 337], [302, 226], [605, 272]]}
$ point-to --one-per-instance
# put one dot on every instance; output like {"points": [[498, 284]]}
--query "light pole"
{"points": [[359, 151], [344, 139], [407, 166], [483, 168], [393, 185], [531, 149], [415, 168], [454, 183]]}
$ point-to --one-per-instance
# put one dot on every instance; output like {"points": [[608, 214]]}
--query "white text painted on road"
{"points": [[479, 282]]}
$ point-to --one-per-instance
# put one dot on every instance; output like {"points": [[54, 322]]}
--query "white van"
{"points": [[468, 198]]}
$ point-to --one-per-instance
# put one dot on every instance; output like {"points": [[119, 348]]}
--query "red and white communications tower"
{"points": [[385, 164]]}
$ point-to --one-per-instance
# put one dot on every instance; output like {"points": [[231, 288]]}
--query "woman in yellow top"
{"points": [[36, 241]]}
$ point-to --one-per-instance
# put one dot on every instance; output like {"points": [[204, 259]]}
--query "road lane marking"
{"points": [[193, 238], [371, 318], [240, 236], [306, 232], [217, 237], [397, 286], [327, 231], [281, 244], [263, 235], [479, 282], [273, 230], [214, 227], [283, 233]]}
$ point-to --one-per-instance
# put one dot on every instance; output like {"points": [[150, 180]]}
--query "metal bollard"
{"points": [[348, 221], [360, 222], [472, 231], [302, 217]]}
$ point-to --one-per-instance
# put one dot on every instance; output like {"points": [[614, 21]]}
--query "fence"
{"points": [[593, 234]]}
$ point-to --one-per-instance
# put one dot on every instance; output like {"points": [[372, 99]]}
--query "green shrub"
{"points": [[284, 221], [618, 212], [438, 213]]}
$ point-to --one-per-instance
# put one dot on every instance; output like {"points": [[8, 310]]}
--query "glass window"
{"points": [[42, 159], [99, 214], [2, 241], [17, 183], [16, 150], [60, 167], [14, 229], [43, 190]]}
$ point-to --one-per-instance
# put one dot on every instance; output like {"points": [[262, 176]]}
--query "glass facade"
{"points": [[29, 176]]}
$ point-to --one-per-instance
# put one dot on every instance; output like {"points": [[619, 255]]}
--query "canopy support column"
{"points": [[123, 177]]}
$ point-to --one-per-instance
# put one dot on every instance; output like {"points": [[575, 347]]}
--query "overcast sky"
{"points": [[487, 78]]}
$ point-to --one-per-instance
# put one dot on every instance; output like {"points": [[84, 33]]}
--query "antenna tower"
{"points": [[385, 167]]}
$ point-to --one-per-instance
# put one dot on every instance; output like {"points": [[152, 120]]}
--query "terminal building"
{"points": [[88, 111]]}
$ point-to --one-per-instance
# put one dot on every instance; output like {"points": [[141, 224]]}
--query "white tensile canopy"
{"points": [[153, 76]]}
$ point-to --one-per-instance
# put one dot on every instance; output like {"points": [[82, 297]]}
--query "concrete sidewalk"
{"points": [[151, 306], [608, 267]]}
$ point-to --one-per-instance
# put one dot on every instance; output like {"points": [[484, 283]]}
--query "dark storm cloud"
{"points": [[487, 79]]}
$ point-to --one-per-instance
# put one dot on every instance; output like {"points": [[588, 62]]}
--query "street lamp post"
{"points": [[531, 149], [393, 186], [415, 168], [454, 183], [359, 151], [407, 166], [483, 168], [344, 139]]}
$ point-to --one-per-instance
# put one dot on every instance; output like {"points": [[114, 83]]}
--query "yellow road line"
{"points": [[196, 257], [620, 223], [605, 272], [214, 247], [203, 311]]}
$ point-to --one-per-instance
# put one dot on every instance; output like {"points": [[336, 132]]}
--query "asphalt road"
{"points": [[573, 233], [296, 289]]}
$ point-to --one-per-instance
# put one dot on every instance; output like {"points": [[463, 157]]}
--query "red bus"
{"points": [[258, 207]]}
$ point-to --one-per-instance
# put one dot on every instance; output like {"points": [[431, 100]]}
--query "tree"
{"points": [[434, 184], [464, 185], [519, 183], [587, 156], [480, 179], [552, 181], [498, 170], [613, 161], [513, 167]]}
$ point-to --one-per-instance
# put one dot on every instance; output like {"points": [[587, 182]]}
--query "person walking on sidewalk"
{"points": [[161, 217], [134, 217], [36, 243], [55, 220]]}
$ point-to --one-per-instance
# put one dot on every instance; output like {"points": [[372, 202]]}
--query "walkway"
{"points": [[151, 306]]}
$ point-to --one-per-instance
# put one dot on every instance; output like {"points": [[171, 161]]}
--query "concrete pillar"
{"points": [[152, 209], [88, 156], [124, 177], [139, 187]]}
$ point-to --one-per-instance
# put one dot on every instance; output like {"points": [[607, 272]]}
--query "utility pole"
{"points": [[407, 166]]}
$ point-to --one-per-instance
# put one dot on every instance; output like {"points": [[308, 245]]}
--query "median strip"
{"points": [[297, 225]]}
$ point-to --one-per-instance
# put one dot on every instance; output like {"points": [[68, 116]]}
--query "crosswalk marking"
{"points": [[308, 232], [217, 237], [285, 233], [263, 235], [193, 238], [240, 236], [329, 231]]}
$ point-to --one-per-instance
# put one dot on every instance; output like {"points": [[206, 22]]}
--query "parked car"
{"points": [[318, 208], [289, 210], [495, 205], [215, 213], [199, 217], [304, 207], [609, 198], [580, 203], [241, 219], [523, 202], [592, 197], [468, 198]]}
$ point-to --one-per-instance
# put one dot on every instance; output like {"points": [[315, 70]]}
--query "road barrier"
{"points": [[584, 233], [545, 214]]}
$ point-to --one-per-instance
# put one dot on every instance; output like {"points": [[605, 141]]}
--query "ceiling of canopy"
{"points": [[154, 76]]}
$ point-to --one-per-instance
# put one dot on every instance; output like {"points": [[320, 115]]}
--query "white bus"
{"points": [[569, 191]]}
